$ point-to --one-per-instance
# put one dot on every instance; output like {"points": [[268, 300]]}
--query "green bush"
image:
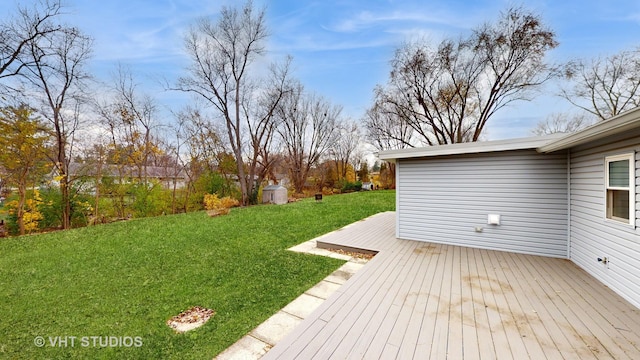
{"points": [[348, 186], [51, 208], [119, 197], [214, 183], [11, 221], [150, 199], [211, 183]]}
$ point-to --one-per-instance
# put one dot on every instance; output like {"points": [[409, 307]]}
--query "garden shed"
{"points": [[568, 196], [274, 194]]}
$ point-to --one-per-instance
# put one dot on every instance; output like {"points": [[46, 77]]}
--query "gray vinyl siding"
{"points": [[592, 235], [443, 199]]}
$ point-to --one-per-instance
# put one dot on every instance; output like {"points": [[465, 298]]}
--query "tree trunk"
{"points": [[63, 168], [96, 209], [66, 202], [22, 197], [298, 182], [173, 196], [242, 178]]}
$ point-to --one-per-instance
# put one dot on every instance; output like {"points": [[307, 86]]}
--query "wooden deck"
{"points": [[419, 300]]}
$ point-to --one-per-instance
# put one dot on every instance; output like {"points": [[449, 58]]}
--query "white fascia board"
{"points": [[626, 121], [470, 148]]}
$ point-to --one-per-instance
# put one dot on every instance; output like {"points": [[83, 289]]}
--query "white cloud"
{"points": [[314, 43], [358, 26], [368, 19]]}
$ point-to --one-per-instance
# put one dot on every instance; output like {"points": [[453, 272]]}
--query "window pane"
{"points": [[618, 204], [619, 173]]}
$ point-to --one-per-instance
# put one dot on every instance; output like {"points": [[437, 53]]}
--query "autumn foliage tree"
{"points": [[23, 140]]}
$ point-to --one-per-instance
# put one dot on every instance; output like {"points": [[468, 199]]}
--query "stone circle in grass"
{"points": [[190, 319]]}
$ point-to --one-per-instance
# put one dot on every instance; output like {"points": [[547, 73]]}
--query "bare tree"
{"points": [[27, 26], [206, 152], [431, 90], [385, 128], [57, 73], [262, 124], [203, 138], [137, 113], [448, 93], [180, 166], [109, 116], [130, 118], [562, 123], [349, 138], [221, 55], [307, 129], [605, 86], [97, 159]]}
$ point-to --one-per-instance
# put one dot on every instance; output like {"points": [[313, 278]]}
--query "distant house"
{"points": [[168, 176], [568, 196]]}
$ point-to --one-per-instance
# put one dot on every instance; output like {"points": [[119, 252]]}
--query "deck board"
{"points": [[470, 345], [417, 300], [549, 334], [481, 318], [533, 332], [372, 298], [404, 335]]}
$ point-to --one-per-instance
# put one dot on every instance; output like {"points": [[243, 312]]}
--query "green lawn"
{"points": [[124, 280]]}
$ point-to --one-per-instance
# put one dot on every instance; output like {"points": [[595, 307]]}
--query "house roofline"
{"points": [[470, 147], [625, 121]]}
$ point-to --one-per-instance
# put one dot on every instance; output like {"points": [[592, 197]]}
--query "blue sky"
{"points": [[341, 48]]}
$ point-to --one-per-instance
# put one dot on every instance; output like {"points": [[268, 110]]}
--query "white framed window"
{"points": [[620, 188]]}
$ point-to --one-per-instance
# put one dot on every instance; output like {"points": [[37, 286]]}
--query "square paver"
{"points": [[304, 247], [303, 306], [339, 277], [247, 348], [323, 289], [276, 327], [352, 267]]}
